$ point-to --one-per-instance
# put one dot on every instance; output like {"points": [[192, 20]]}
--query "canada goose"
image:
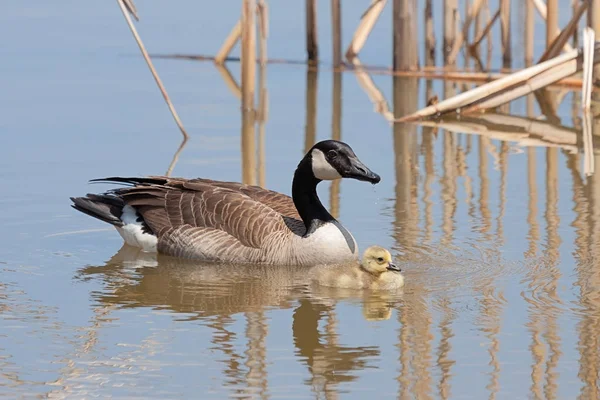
{"points": [[232, 222], [375, 271]]}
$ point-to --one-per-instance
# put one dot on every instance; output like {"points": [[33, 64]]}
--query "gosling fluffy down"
{"points": [[376, 271]]}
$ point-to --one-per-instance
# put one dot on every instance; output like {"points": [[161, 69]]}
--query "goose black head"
{"points": [[332, 159]]}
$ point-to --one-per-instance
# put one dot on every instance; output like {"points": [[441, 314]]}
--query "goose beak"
{"points": [[393, 267], [359, 171]]}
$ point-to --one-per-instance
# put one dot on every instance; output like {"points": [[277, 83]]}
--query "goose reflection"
{"points": [[215, 293], [138, 279]]}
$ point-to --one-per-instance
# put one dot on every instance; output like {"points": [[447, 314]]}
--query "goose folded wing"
{"points": [[279, 202], [176, 204]]}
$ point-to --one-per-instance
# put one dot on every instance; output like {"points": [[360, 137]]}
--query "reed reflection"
{"points": [[587, 222], [415, 319], [310, 127], [336, 134]]}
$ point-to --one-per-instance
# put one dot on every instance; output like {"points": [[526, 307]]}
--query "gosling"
{"points": [[376, 271]]}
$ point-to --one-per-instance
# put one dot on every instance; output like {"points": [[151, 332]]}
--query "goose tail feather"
{"points": [[106, 208]]}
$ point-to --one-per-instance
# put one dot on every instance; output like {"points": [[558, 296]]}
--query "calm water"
{"points": [[498, 241]]}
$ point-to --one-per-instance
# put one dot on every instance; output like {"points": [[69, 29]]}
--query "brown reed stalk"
{"points": [[312, 44], [367, 22], [336, 32], [486, 30], [558, 43], [125, 10], [248, 53], [543, 11], [463, 35], [229, 43], [505, 89]]}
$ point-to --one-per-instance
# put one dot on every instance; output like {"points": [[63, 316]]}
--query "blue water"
{"points": [[501, 296]]}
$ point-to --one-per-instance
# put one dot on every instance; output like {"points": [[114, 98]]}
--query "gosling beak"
{"points": [[393, 267], [359, 171]]}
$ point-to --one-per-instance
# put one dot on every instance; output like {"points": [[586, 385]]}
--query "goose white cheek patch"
{"points": [[321, 168]]}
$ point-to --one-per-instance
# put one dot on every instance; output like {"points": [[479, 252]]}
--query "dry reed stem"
{"points": [[405, 54], [248, 64], [229, 43], [176, 156], [464, 34], [586, 98], [450, 16], [537, 82], [263, 29], [312, 42], [485, 30], [131, 8], [543, 11], [125, 12], [588, 68], [367, 22], [529, 32], [429, 34], [505, 32], [558, 43], [336, 32], [492, 88]]}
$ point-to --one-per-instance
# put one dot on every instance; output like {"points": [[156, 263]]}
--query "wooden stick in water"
{"points": [[336, 31], [263, 29], [429, 34], [450, 15], [131, 8], [248, 53], [558, 43], [406, 54], [588, 68], [462, 36], [481, 92], [552, 30], [125, 12], [176, 156], [312, 45], [229, 43], [589, 38], [505, 33], [542, 10], [485, 30], [529, 33], [365, 26]]}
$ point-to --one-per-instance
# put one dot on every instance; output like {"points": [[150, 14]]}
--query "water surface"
{"points": [[497, 238]]}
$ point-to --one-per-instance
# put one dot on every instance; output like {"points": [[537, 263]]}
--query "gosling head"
{"points": [[332, 159], [377, 260]]}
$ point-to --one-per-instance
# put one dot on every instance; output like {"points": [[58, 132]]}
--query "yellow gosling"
{"points": [[376, 271]]}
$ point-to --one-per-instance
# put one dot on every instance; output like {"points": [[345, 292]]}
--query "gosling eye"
{"points": [[379, 259], [331, 154]]}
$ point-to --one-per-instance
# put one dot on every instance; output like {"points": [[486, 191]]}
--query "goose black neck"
{"points": [[304, 194]]}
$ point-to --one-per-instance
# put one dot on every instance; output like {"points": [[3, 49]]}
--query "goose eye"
{"points": [[380, 259], [331, 154]]}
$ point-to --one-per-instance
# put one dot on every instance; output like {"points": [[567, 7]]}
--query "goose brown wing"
{"points": [[277, 201], [166, 204]]}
